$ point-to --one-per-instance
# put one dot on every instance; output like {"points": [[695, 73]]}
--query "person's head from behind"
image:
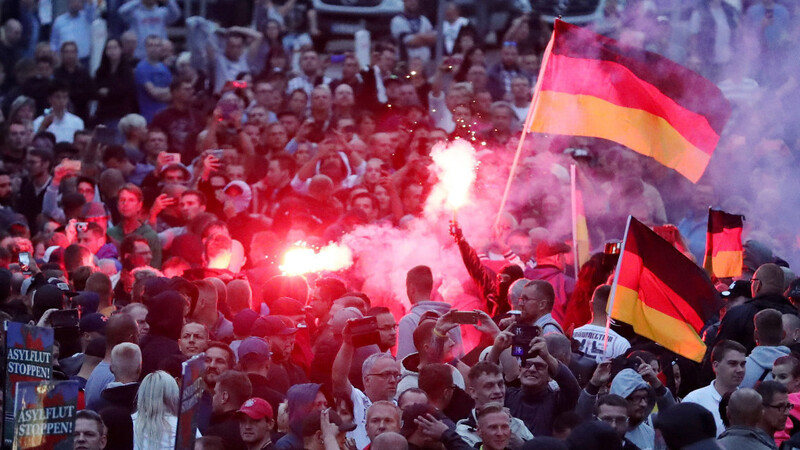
{"points": [[157, 398], [768, 327], [613, 410], [126, 362], [775, 400], [425, 343], [494, 426], [382, 416], [419, 284], [745, 408], [209, 443], [100, 284], [389, 441], [437, 381], [120, 328], [600, 301], [768, 279], [256, 421], [412, 431], [412, 396], [380, 373], [486, 383], [231, 390], [89, 433], [728, 363]]}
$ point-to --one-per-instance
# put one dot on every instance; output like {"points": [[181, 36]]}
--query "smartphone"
{"points": [[523, 335], [72, 164], [464, 317], [64, 318], [172, 158], [217, 153], [365, 331], [336, 59], [104, 135], [227, 109], [25, 262], [82, 227]]}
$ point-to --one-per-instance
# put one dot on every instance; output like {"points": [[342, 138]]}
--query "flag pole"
{"points": [[613, 293], [574, 199], [526, 126]]}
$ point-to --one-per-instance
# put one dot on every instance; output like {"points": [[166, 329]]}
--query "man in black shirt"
{"points": [[180, 121]]}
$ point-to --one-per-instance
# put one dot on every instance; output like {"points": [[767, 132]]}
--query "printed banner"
{"points": [[191, 390], [44, 413], [29, 357]]}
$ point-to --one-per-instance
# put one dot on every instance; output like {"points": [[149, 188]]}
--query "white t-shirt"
{"points": [[361, 404], [592, 339], [64, 129]]}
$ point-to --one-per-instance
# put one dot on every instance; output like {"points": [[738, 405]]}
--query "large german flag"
{"points": [[724, 252], [665, 296], [590, 85]]}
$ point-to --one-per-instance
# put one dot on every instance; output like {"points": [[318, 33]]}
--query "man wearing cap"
{"points": [[280, 332], [90, 326], [550, 265], [254, 360], [256, 420], [325, 430], [95, 212]]}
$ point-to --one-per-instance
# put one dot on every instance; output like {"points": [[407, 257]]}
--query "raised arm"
{"points": [[342, 363]]}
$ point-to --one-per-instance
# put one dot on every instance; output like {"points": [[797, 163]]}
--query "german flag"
{"points": [[661, 293], [724, 252], [590, 85], [580, 231]]}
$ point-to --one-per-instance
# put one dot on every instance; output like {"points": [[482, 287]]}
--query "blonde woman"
{"points": [[156, 416]]}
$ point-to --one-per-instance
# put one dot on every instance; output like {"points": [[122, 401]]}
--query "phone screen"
{"points": [[25, 262]]}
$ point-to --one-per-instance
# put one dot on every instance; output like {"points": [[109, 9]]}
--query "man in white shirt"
{"points": [[728, 361], [59, 121], [240, 47], [592, 336], [381, 374]]}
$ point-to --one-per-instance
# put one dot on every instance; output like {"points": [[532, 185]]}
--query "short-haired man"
{"points": [[550, 266], [382, 417], [153, 79], [728, 362], [494, 426], [419, 285], [486, 386], [536, 305], [93, 237], [90, 433], [182, 122], [380, 373], [256, 421], [130, 204], [387, 327], [596, 340], [768, 335], [62, 123], [323, 430], [192, 204], [194, 339], [613, 410], [254, 361], [126, 365], [231, 390], [775, 399], [745, 412]]}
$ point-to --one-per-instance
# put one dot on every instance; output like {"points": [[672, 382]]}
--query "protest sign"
{"points": [[44, 414], [191, 390], [29, 357]]}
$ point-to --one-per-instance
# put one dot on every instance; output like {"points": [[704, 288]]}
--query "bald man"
{"points": [[767, 289], [389, 441], [745, 410]]}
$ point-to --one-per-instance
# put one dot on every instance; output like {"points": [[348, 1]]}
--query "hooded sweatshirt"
{"points": [[624, 384], [165, 330], [300, 400], [759, 364], [409, 322], [409, 373]]}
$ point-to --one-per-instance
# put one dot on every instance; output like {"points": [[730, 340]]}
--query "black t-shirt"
{"points": [[182, 128]]}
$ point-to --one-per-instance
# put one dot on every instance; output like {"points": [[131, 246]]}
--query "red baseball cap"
{"points": [[256, 408]]}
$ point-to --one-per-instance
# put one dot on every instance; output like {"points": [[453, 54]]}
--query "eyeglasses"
{"points": [[785, 407], [611, 420], [525, 298], [540, 366], [386, 375], [388, 328]]}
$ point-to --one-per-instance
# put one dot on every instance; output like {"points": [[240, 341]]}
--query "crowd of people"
{"points": [[154, 185]]}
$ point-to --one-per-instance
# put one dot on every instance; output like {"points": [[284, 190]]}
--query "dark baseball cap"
{"points": [[243, 321], [254, 347], [311, 423], [741, 288], [271, 326], [93, 322]]}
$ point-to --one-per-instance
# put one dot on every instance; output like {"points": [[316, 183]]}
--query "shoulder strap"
{"points": [[764, 375]]}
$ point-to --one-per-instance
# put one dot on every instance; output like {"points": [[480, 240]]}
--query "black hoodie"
{"points": [[738, 323], [165, 318]]}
